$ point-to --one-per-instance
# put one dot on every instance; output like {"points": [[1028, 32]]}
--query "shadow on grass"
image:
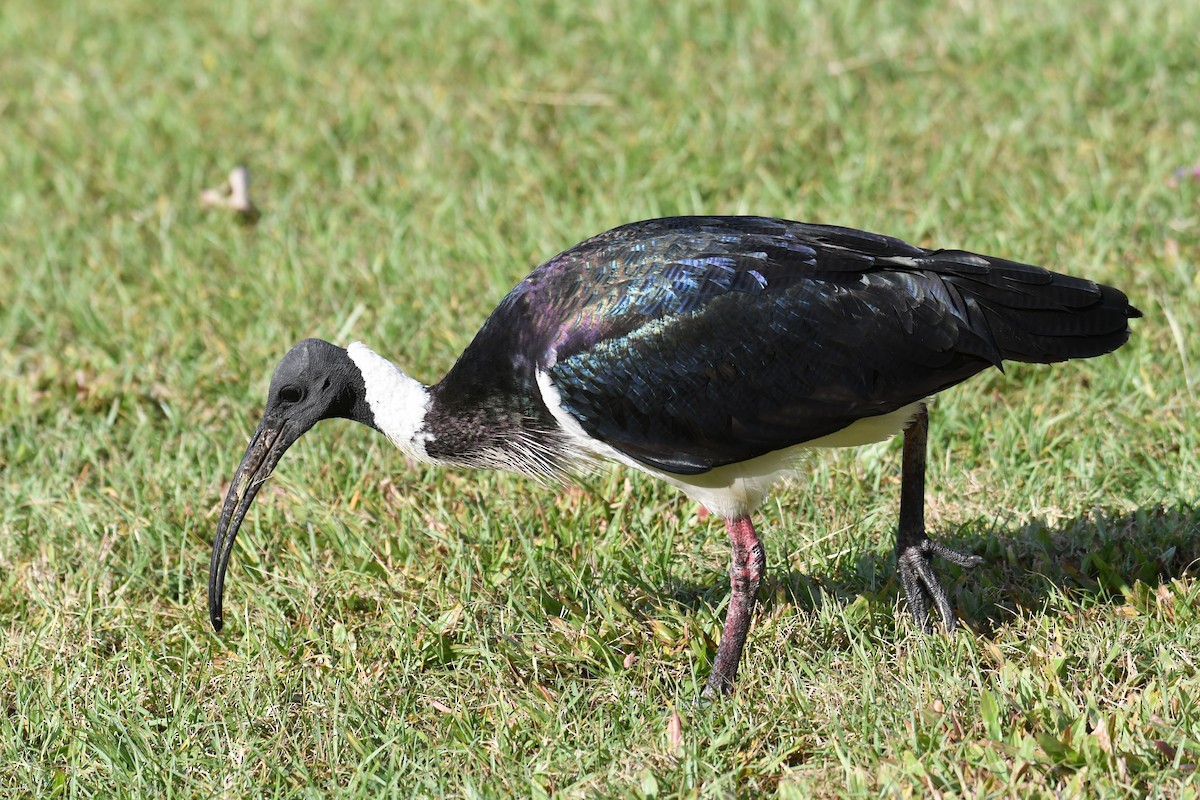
{"points": [[1094, 558]]}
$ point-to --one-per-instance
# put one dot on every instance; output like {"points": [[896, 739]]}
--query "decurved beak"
{"points": [[272, 439]]}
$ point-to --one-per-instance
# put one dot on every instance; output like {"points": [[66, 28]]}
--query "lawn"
{"points": [[395, 629]]}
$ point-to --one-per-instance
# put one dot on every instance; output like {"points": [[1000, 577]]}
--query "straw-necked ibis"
{"points": [[709, 352]]}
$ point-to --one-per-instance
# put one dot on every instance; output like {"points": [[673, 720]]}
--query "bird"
{"points": [[712, 353]]}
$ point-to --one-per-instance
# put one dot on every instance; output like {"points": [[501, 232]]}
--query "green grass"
{"points": [[396, 629]]}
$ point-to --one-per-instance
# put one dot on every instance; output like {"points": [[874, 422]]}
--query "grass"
{"points": [[399, 630]]}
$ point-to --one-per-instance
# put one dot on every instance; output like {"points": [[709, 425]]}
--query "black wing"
{"points": [[692, 343]]}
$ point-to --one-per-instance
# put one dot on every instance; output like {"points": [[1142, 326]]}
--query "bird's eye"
{"points": [[290, 394]]}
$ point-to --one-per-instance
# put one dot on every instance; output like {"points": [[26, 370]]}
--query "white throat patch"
{"points": [[398, 402]]}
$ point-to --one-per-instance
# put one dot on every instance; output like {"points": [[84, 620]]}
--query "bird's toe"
{"points": [[921, 585]]}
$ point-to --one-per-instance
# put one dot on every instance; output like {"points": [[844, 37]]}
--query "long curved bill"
{"points": [[270, 442]]}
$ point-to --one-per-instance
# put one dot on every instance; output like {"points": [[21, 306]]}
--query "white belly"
{"points": [[735, 489]]}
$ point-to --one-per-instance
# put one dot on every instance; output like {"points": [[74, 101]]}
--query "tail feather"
{"points": [[1033, 314]]}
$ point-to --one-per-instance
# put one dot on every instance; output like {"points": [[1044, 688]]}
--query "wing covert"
{"points": [[743, 375]]}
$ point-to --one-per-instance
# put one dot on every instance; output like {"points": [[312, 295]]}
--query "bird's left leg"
{"points": [[745, 574], [914, 549]]}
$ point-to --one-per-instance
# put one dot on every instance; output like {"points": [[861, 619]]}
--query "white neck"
{"points": [[398, 402]]}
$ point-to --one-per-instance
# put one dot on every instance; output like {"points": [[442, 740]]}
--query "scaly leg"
{"points": [[914, 549], [745, 574]]}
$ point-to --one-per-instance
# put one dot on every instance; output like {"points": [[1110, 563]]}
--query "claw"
{"points": [[921, 586], [953, 556]]}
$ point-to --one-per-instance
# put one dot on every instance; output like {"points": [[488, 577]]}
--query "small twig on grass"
{"points": [[235, 195]]}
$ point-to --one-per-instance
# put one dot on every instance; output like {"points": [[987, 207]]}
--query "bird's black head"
{"points": [[316, 380]]}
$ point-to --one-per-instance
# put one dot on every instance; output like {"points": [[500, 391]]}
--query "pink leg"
{"points": [[745, 573]]}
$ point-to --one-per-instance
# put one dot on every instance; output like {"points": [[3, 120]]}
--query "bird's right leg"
{"points": [[914, 549], [745, 574]]}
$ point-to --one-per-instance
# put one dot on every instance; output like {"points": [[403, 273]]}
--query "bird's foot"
{"points": [[921, 586]]}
